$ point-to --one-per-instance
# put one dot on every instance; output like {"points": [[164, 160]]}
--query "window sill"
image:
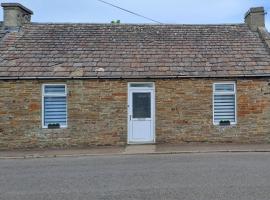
{"points": [[63, 127], [218, 125]]}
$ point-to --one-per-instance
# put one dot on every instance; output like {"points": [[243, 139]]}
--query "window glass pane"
{"points": [[141, 85], [141, 105], [54, 89], [224, 87], [224, 108], [55, 110]]}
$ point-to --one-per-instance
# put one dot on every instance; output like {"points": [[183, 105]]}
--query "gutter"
{"points": [[128, 77]]}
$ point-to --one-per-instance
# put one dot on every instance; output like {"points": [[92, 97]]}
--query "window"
{"points": [[139, 85], [54, 108], [224, 100]]}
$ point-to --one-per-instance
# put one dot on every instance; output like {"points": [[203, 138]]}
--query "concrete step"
{"points": [[140, 149]]}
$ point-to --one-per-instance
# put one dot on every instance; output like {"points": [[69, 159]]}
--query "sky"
{"points": [[164, 11]]}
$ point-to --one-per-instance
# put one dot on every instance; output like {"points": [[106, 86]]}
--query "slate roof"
{"points": [[133, 51], [2, 33]]}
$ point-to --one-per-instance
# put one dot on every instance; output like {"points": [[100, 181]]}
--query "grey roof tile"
{"points": [[108, 51]]}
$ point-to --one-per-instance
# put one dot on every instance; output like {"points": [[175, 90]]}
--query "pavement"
{"points": [[135, 149]]}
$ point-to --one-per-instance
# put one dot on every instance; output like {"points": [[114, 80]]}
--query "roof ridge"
{"points": [[134, 24]]}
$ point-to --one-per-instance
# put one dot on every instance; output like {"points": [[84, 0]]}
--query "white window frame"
{"points": [[225, 93], [54, 95]]}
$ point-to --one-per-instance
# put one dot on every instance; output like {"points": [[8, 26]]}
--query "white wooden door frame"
{"points": [[141, 89]]}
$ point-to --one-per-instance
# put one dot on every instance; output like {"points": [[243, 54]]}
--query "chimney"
{"points": [[15, 15], [254, 18]]}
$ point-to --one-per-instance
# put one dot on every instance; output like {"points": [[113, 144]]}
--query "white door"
{"points": [[141, 113]]}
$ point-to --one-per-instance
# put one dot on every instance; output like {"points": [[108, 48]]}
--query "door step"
{"points": [[140, 149]]}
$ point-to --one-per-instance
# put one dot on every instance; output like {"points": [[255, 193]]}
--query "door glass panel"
{"points": [[141, 104]]}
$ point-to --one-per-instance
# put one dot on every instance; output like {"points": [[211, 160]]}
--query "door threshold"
{"points": [[140, 149], [140, 143]]}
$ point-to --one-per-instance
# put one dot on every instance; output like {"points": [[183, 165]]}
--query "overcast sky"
{"points": [[165, 11]]}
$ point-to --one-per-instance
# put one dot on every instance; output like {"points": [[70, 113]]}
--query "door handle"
{"points": [[130, 117]]}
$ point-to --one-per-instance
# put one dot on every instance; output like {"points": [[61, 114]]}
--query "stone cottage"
{"points": [[68, 85]]}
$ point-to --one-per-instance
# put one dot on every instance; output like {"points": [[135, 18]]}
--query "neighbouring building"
{"points": [[75, 85]]}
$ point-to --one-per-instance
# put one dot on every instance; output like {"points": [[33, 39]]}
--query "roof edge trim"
{"points": [[130, 77]]}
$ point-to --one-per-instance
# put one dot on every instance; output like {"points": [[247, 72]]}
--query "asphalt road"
{"points": [[185, 176]]}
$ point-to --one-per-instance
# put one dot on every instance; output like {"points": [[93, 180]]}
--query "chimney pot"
{"points": [[15, 15], [254, 18]]}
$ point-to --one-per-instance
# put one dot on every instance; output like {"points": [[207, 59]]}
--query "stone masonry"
{"points": [[97, 113]]}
